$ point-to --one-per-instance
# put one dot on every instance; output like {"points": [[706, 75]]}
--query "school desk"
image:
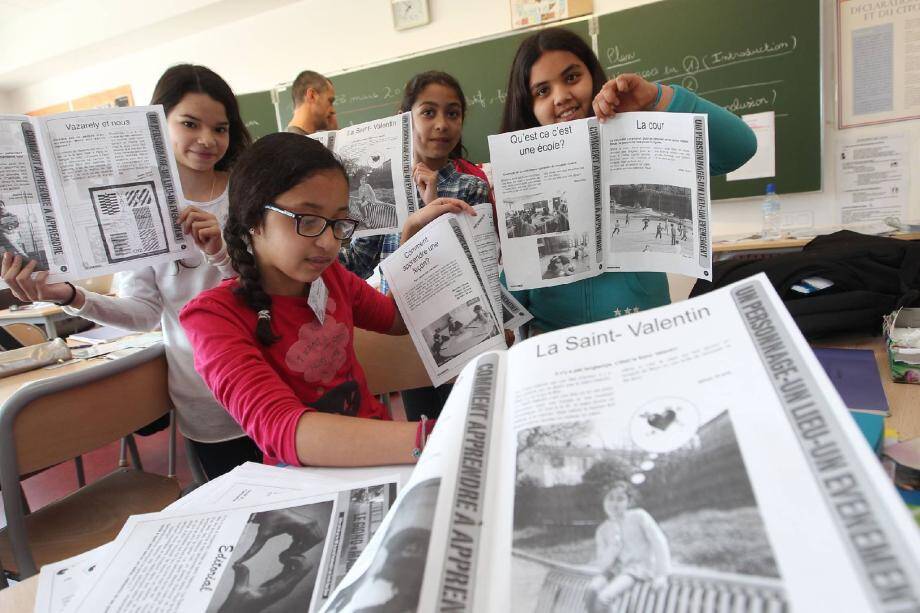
{"points": [[904, 400], [16, 389], [724, 251], [46, 315]]}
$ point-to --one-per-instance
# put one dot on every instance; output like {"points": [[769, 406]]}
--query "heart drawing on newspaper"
{"points": [[663, 420]]}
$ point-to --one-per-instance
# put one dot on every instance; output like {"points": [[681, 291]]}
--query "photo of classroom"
{"points": [[563, 256], [463, 327], [526, 216]]}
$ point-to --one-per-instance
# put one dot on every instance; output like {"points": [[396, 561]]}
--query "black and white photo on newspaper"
{"points": [[445, 295], [89, 193], [377, 156], [578, 198]]}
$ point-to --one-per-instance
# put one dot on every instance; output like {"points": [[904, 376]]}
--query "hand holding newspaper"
{"points": [[91, 192], [694, 453], [579, 198]]}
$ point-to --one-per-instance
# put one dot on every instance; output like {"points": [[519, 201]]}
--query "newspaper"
{"points": [[695, 453], [378, 160], [446, 294], [90, 193], [252, 540], [579, 198]]}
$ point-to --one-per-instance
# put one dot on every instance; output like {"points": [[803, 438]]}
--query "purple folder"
{"points": [[854, 372]]}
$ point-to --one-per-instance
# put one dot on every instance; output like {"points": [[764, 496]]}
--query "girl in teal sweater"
{"points": [[556, 77]]}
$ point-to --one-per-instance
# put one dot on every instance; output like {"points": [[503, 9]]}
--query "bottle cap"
{"points": [[771, 188]]}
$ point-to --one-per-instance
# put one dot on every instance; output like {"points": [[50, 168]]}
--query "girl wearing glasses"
{"points": [[207, 136], [275, 344]]}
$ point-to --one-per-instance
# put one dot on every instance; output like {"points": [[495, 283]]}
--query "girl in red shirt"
{"points": [[275, 345]]}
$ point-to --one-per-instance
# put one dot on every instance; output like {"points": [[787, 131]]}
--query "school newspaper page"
{"points": [[579, 198], [90, 193], [378, 159], [694, 454], [445, 282]]}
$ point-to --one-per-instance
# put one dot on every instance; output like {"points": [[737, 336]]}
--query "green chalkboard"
{"points": [[258, 113], [481, 68], [749, 56]]}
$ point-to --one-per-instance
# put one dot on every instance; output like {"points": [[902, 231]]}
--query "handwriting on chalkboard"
{"points": [[690, 69], [350, 102], [692, 65]]}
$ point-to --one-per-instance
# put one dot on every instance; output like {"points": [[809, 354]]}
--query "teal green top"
{"points": [[731, 144]]}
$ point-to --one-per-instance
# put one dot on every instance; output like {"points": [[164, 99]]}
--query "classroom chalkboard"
{"points": [[258, 113], [749, 56], [482, 69]]}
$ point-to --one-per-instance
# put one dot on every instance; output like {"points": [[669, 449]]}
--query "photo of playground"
{"points": [[536, 216], [607, 525], [653, 218], [563, 256], [457, 331], [370, 193]]}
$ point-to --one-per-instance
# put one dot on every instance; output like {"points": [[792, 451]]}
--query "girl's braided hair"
{"points": [[267, 169]]}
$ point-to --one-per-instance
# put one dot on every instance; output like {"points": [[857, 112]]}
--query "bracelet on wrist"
{"points": [[654, 104], [73, 295]]}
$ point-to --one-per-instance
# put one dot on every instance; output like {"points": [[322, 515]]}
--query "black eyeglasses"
{"points": [[313, 225]]}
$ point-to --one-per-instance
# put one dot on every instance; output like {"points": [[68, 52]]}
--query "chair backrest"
{"points": [[27, 334], [48, 421], [391, 363]]}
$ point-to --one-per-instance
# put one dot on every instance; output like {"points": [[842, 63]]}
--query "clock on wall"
{"points": [[409, 13]]}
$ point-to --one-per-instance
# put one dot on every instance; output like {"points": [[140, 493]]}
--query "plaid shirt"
{"points": [[362, 255]]}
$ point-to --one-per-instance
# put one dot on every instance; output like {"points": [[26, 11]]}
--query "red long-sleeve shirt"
{"points": [[312, 367]]}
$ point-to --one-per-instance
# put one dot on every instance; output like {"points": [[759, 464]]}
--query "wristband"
{"points": [[73, 295], [657, 98], [425, 426]]}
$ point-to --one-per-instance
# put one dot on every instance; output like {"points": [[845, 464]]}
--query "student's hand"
{"points": [[203, 228], [26, 288], [432, 211], [626, 93], [427, 182], [509, 337]]}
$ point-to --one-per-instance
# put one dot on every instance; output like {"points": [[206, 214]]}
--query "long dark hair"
{"points": [[419, 82], [183, 79], [270, 167], [518, 112]]}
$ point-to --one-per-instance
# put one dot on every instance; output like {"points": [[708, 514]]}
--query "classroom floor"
{"points": [[60, 480]]}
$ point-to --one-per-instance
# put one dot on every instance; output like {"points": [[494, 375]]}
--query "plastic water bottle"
{"points": [[771, 214]]}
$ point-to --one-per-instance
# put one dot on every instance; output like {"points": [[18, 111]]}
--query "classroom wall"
{"points": [[257, 51]]}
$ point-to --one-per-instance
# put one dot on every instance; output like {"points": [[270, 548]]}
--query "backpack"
{"points": [[870, 277]]}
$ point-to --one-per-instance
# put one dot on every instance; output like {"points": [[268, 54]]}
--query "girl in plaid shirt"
{"points": [[438, 107]]}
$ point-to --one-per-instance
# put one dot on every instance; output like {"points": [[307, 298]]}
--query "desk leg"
{"points": [[50, 329]]}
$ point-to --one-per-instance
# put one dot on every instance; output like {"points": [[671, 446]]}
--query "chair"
{"points": [[391, 363], [27, 334], [48, 421]]}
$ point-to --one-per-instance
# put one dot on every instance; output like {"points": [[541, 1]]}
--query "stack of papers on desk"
{"points": [[255, 538]]}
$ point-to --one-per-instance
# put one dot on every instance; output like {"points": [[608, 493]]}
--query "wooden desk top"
{"points": [[51, 309], [10, 385], [784, 243], [20, 597]]}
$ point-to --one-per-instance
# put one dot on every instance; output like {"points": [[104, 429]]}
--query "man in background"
{"points": [[314, 104]]}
